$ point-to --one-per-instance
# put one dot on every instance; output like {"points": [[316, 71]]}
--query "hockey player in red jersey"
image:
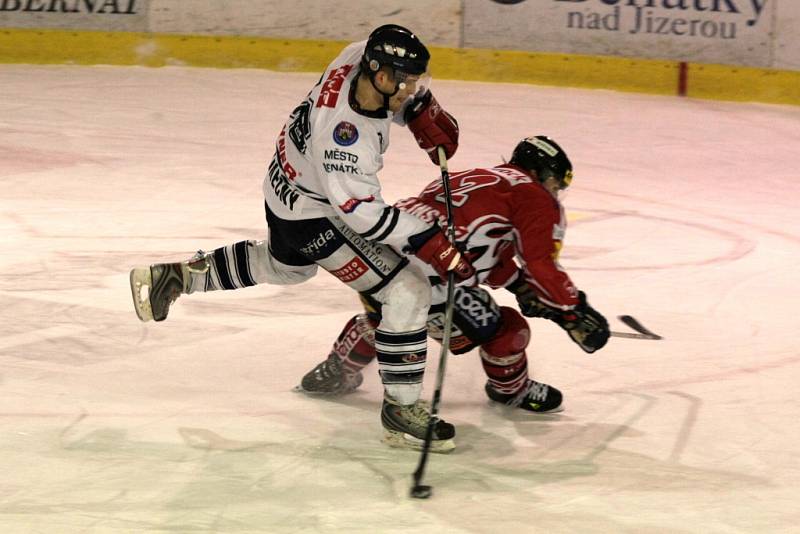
{"points": [[324, 209], [502, 213]]}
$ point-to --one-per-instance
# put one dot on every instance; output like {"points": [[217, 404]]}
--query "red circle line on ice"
{"points": [[738, 247]]}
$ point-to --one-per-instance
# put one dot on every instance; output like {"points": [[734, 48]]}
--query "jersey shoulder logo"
{"points": [[345, 133]]}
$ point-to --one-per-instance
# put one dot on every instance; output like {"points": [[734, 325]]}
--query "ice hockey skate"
{"points": [[330, 378], [405, 427], [163, 284], [534, 397]]}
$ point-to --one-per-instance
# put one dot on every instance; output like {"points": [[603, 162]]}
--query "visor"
{"points": [[418, 83], [421, 82]]}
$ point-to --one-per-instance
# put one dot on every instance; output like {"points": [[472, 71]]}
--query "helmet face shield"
{"points": [[565, 180], [409, 87], [562, 180], [412, 83]]}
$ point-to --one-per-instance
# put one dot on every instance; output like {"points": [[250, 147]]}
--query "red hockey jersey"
{"points": [[500, 214]]}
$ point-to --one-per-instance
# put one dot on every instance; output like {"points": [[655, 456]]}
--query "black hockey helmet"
{"points": [[543, 156], [397, 47]]}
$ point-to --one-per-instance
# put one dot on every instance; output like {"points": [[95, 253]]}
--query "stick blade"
{"points": [[421, 491], [634, 324]]}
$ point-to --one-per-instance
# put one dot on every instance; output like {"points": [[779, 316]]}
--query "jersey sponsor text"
{"points": [[333, 84], [284, 191], [288, 170], [317, 243], [341, 155], [353, 270], [341, 167]]}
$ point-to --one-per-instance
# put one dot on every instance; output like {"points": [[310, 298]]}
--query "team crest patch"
{"points": [[345, 133]]}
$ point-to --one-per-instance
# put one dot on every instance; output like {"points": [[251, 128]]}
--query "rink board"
{"points": [[602, 72]]}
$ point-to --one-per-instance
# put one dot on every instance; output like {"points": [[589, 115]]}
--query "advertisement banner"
{"points": [[105, 15], [736, 32], [787, 35], [437, 22], [752, 33]]}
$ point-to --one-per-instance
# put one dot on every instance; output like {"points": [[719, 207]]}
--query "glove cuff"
{"points": [[417, 241], [417, 106], [518, 285]]}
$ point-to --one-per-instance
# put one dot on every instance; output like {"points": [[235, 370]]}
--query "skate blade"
{"points": [[139, 278], [352, 386], [551, 411], [554, 411], [522, 412], [401, 440], [300, 389]]}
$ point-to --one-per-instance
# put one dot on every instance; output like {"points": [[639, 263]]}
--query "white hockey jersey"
{"points": [[328, 155]]}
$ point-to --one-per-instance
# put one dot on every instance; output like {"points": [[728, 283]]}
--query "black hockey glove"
{"points": [[586, 326]]}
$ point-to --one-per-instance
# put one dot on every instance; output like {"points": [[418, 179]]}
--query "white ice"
{"points": [[684, 213]]}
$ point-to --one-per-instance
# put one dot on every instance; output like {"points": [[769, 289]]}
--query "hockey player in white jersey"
{"points": [[501, 213], [324, 208]]}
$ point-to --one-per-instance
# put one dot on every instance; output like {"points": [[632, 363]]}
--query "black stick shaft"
{"points": [[448, 326]]}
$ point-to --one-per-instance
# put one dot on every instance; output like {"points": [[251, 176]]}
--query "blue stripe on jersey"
{"points": [[242, 265], [390, 227], [378, 225], [221, 263]]}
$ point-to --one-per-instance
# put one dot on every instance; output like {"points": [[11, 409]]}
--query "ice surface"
{"points": [[684, 214]]}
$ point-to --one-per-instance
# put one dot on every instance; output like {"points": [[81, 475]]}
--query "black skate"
{"points": [[405, 427], [165, 282], [330, 378], [534, 397]]}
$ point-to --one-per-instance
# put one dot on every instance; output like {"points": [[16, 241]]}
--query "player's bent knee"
{"points": [[512, 337], [405, 301]]}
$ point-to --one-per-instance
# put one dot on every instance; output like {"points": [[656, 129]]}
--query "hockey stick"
{"points": [[419, 490], [643, 333]]}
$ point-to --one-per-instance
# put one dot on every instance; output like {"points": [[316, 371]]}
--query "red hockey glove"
{"points": [[432, 247], [432, 126]]}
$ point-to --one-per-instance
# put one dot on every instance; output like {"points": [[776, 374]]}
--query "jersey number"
{"points": [[299, 131], [460, 193]]}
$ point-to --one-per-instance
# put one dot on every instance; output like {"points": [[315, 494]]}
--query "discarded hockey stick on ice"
{"points": [[419, 490], [642, 332]]}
